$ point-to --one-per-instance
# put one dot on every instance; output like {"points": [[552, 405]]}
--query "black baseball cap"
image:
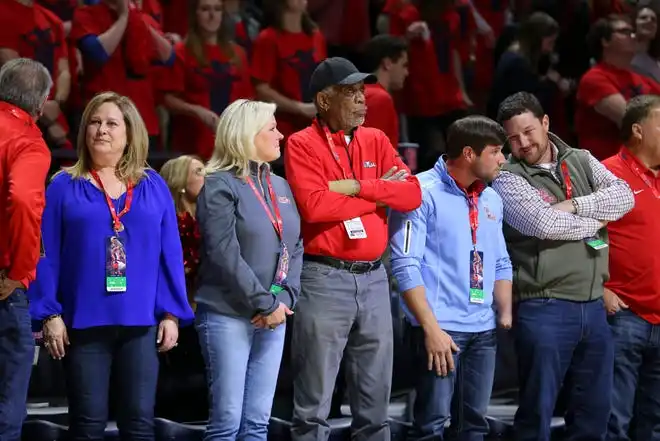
{"points": [[337, 71]]}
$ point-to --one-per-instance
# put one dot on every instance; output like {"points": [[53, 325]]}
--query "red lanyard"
{"points": [[277, 220], [116, 218], [567, 180], [331, 146], [640, 174], [473, 205]]}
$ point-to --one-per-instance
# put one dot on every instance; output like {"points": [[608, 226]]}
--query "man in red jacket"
{"points": [[343, 178], [24, 162]]}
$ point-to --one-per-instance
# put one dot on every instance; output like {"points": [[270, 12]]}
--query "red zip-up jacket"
{"points": [[310, 166], [24, 163]]}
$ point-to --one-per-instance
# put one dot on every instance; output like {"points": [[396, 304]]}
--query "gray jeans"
{"points": [[340, 313]]}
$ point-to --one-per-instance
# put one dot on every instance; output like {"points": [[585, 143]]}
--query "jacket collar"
{"points": [[440, 168]]}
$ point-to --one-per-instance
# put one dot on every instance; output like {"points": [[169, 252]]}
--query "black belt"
{"points": [[359, 267]]}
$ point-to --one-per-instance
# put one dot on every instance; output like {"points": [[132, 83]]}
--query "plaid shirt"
{"points": [[527, 212]]}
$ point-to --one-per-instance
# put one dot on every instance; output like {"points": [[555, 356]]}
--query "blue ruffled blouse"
{"points": [[71, 278]]}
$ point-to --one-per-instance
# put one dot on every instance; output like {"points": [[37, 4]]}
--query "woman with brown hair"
{"points": [[185, 177], [210, 72], [114, 289]]}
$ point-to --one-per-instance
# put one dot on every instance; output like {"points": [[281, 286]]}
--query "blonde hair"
{"points": [[175, 173], [240, 122], [133, 163]]}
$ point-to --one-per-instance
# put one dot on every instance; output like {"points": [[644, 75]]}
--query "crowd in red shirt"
{"points": [[191, 59]]}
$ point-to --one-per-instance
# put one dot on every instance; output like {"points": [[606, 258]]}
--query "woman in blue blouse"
{"points": [[114, 288], [249, 274]]}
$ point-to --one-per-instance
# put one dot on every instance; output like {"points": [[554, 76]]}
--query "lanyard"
{"points": [[473, 204], [277, 219], [567, 180], [116, 218], [640, 174], [331, 146]]}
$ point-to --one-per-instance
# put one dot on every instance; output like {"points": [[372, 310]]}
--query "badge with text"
{"points": [[596, 243], [355, 229], [115, 265], [476, 276], [279, 281]]}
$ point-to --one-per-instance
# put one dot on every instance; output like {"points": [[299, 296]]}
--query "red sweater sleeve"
{"points": [[399, 195], [315, 200], [28, 167]]}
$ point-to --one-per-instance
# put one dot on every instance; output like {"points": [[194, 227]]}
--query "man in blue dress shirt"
{"points": [[450, 260]]}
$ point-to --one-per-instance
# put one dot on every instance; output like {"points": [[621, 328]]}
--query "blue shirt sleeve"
{"points": [[216, 215], [91, 47], [43, 292], [503, 267], [408, 242], [171, 297]]}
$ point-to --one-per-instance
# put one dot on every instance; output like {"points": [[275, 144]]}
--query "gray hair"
{"points": [[25, 83]]}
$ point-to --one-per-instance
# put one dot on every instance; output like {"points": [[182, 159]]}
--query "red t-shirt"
{"points": [[467, 29], [286, 62], [381, 113], [242, 38], [597, 133], [175, 16], [34, 32], [635, 240], [213, 87], [128, 69], [494, 12], [432, 88], [355, 28], [310, 164]]}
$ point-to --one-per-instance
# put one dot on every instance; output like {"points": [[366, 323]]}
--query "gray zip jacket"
{"points": [[240, 248]]}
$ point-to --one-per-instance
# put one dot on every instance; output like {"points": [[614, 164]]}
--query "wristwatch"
{"points": [[575, 205]]}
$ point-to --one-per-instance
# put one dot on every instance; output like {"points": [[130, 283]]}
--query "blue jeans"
{"points": [[463, 395], [129, 352], [636, 392], [242, 365], [16, 355], [558, 339]]}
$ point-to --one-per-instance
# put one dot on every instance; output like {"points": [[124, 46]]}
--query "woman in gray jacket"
{"points": [[249, 275]]}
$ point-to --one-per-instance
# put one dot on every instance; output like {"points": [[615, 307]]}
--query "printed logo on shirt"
{"points": [[369, 164], [283, 200], [489, 214], [546, 196], [638, 191]]}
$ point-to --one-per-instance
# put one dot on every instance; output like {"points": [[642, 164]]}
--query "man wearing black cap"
{"points": [[344, 177]]}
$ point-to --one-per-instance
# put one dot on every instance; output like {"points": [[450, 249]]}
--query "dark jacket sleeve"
{"points": [[216, 214]]}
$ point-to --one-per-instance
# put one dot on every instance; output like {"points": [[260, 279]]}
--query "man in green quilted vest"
{"points": [[557, 202]]}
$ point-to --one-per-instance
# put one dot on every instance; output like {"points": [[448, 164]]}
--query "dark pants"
{"points": [[16, 356], [556, 338], [636, 393], [341, 314], [462, 396], [128, 352]]}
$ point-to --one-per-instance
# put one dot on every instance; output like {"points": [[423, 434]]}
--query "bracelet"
{"points": [[575, 205], [49, 318]]}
